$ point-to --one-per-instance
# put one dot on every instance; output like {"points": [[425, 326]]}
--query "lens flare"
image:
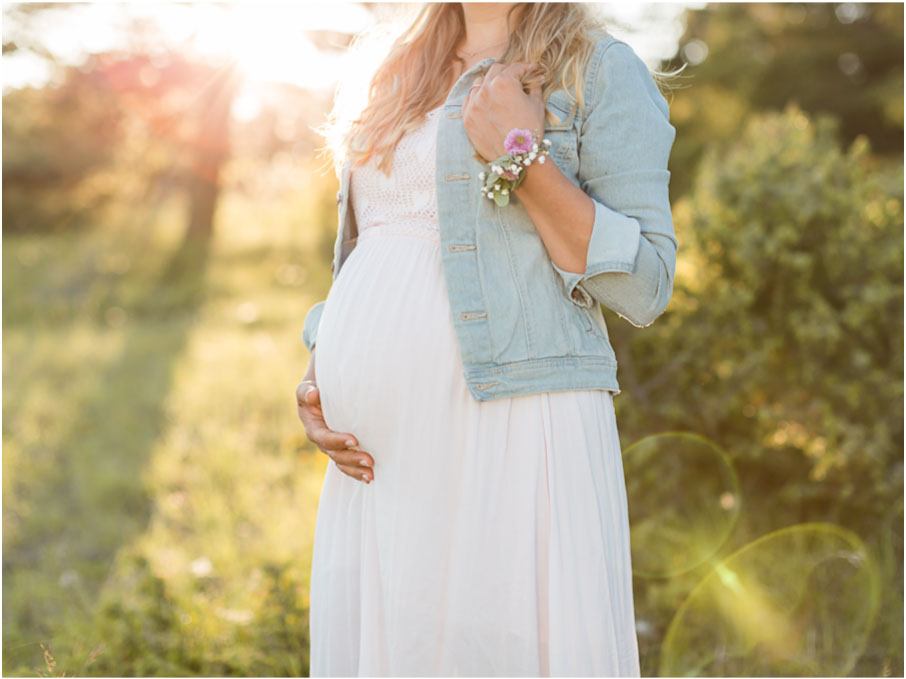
{"points": [[684, 500]]}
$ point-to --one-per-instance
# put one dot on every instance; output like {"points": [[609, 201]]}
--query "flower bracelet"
{"points": [[507, 172]]}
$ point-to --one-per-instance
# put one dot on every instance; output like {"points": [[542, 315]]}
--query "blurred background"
{"points": [[168, 220]]}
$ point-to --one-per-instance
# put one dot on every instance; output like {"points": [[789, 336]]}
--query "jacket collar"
{"points": [[458, 94]]}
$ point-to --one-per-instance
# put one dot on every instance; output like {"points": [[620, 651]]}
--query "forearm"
{"points": [[637, 288], [562, 213]]}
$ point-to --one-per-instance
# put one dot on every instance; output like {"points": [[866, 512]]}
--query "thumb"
{"points": [[534, 90], [530, 75], [312, 395]]}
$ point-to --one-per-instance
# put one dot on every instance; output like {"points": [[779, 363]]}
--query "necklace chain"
{"points": [[484, 49]]}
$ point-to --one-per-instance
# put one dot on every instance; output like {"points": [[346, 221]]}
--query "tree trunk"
{"points": [[210, 150]]}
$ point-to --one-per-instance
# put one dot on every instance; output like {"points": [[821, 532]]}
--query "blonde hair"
{"points": [[414, 76]]}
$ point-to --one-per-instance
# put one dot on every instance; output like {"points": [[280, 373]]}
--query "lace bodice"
{"points": [[407, 199]]}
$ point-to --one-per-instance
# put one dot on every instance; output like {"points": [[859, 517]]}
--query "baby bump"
{"points": [[385, 337]]}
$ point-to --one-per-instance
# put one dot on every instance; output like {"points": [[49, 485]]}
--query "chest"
{"points": [[460, 208]]}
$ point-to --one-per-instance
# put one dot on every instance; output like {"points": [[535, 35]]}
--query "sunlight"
{"points": [[269, 42]]}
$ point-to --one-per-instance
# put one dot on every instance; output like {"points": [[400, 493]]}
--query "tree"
{"points": [[844, 59]]}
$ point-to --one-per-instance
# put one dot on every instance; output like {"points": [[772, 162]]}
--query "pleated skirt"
{"points": [[494, 538]]}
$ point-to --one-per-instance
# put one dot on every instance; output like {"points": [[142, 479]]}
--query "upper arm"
{"points": [[625, 141], [627, 127]]}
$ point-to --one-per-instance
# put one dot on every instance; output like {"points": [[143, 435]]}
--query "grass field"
{"points": [[159, 491]]}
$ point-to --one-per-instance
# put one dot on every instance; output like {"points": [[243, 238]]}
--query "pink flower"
{"points": [[518, 141]]}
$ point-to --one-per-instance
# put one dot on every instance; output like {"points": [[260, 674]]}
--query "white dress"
{"points": [[494, 538]]}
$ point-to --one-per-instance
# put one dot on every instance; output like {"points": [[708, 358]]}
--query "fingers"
{"points": [[523, 74], [476, 86], [520, 70], [534, 90], [341, 448], [515, 71], [350, 457], [359, 473], [355, 463], [336, 445], [532, 78], [496, 69], [330, 441]]}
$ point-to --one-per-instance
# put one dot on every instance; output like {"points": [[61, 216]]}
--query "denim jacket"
{"points": [[523, 324]]}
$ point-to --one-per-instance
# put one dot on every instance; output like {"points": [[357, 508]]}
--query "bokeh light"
{"points": [[684, 500]]}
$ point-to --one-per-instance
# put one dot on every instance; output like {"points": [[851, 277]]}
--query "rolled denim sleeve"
{"points": [[624, 146], [312, 319]]}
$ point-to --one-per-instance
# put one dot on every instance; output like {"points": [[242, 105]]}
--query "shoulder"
{"points": [[615, 70], [614, 59]]}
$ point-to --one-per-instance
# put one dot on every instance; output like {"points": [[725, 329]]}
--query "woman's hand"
{"points": [[335, 445], [498, 102]]}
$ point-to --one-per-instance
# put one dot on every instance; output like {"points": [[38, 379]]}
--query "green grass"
{"points": [[159, 491]]}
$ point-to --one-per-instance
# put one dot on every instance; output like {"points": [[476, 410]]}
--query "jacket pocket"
{"points": [[562, 134]]}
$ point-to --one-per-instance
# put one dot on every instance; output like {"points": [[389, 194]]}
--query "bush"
{"points": [[783, 343]]}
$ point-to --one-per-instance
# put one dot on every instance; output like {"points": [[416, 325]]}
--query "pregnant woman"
{"points": [[506, 178]]}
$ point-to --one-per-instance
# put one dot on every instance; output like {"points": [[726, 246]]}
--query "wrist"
{"points": [[535, 175], [506, 173]]}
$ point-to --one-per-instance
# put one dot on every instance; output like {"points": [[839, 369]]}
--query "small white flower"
{"points": [[526, 161], [504, 192], [482, 176], [535, 147], [513, 167], [490, 194], [532, 155], [498, 169], [541, 159], [546, 142], [201, 567]]}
